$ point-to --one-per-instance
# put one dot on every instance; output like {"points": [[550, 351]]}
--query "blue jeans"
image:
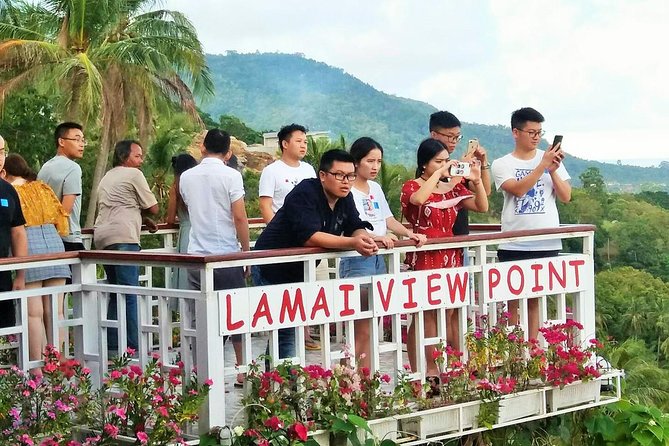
{"points": [[123, 275], [286, 335], [362, 266]]}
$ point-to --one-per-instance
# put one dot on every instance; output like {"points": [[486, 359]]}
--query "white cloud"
{"points": [[595, 69]]}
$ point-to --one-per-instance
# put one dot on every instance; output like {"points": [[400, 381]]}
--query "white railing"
{"points": [[480, 287]]}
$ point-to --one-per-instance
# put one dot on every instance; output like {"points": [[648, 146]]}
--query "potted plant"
{"points": [[569, 366]]}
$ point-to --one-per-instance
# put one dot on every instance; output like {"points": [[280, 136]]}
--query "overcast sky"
{"points": [[596, 69]]}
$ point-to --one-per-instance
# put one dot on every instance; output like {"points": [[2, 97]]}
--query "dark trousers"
{"points": [[72, 246], [7, 310], [505, 255]]}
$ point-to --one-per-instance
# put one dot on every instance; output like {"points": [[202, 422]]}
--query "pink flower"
{"points": [[142, 437], [111, 430]]}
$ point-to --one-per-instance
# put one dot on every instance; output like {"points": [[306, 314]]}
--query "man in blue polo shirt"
{"points": [[317, 212]]}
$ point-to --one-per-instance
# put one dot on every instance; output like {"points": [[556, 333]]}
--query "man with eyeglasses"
{"points": [[63, 175], [13, 240], [317, 212], [446, 128], [530, 180]]}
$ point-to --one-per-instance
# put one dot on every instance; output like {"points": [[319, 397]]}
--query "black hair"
{"points": [[427, 150], [63, 128], [361, 148], [233, 162], [443, 120], [182, 162], [329, 157], [16, 166], [217, 141], [521, 116], [287, 131], [122, 151]]}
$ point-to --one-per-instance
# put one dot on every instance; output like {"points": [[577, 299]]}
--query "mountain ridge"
{"points": [[269, 90]]}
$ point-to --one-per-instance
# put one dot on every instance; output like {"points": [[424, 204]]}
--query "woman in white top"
{"points": [[372, 207]]}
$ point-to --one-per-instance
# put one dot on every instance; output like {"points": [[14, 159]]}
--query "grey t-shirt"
{"points": [[64, 176]]}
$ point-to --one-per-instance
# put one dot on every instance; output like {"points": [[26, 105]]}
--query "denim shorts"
{"points": [[362, 266]]}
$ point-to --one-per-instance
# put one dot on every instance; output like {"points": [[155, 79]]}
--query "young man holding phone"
{"points": [[530, 180], [445, 127]]}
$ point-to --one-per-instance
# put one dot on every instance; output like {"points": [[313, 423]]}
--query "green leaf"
{"points": [[657, 431], [644, 438], [359, 422]]}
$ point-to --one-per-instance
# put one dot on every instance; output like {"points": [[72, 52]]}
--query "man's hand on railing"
{"points": [[365, 245], [150, 224]]}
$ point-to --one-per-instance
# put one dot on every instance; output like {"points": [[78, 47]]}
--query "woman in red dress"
{"points": [[430, 203]]}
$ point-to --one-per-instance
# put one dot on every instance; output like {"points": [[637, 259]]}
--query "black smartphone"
{"points": [[557, 140]]}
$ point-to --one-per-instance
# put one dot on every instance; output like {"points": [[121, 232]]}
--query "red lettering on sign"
{"points": [[519, 270], [385, 295], [457, 286], [493, 280], [537, 267], [228, 320], [433, 288], [347, 311], [320, 305], [576, 264], [290, 308], [262, 310], [410, 303], [553, 274]]}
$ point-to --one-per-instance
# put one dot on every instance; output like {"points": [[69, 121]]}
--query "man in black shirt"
{"points": [[317, 212], [445, 127], [12, 235]]}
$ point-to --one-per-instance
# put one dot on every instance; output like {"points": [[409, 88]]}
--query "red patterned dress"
{"points": [[434, 218]]}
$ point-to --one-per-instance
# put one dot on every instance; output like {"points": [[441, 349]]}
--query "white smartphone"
{"points": [[460, 170]]}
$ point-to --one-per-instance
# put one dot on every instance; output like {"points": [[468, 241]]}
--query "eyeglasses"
{"points": [[78, 140], [454, 138], [533, 133], [341, 177]]}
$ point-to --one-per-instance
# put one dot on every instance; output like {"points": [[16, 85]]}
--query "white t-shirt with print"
{"points": [[278, 178], [373, 207], [536, 209]]}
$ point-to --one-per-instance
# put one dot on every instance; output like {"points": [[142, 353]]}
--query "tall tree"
{"points": [[114, 62]]}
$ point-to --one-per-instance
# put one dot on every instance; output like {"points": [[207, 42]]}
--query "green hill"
{"points": [[268, 90]]}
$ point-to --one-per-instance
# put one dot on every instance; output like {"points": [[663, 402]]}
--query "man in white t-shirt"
{"points": [[530, 180], [280, 177]]}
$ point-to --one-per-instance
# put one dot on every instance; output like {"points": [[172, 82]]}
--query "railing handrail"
{"points": [[182, 259]]}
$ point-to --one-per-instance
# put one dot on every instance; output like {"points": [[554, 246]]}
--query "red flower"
{"points": [[274, 423], [298, 431]]}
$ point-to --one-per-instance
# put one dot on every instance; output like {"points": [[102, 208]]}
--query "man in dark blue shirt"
{"points": [[317, 212], [12, 236]]}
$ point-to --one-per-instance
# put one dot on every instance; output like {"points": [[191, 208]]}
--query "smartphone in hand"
{"points": [[460, 170], [472, 145], [557, 140]]}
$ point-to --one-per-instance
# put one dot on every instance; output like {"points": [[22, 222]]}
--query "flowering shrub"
{"points": [[455, 382], [566, 360], [7, 350], [499, 351], [145, 404], [47, 407], [285, 403]]}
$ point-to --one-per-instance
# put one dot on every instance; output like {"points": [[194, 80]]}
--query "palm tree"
{"points": [[113, 61], [318, 146]]}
